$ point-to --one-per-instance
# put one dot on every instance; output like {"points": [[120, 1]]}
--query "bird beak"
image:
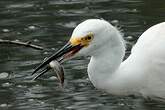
{"points": [[66, 52]]}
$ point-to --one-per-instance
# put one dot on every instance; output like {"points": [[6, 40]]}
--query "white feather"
{"points": [[142, 73]]}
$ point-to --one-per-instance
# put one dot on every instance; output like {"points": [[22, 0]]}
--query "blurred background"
{"points": [[49, 23]]}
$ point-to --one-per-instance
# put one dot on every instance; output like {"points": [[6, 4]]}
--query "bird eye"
{"points": [[89, 37]]}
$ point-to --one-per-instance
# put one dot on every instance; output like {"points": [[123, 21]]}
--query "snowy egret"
{"points": [[142, 73]]}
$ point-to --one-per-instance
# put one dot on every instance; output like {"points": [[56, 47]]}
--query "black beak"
{"points": [[64, 53]]}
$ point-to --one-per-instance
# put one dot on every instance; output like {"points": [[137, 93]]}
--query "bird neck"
{"points": [[103, 65]]}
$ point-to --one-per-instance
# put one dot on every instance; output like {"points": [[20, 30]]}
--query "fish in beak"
{"points": [[66, 52], [58, 58]]}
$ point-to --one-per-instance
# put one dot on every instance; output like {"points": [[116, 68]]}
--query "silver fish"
{"points": [[57, 68]]}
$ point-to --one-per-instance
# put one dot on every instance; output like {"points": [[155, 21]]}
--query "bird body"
{"points": [[142, 73], [147, 62]]}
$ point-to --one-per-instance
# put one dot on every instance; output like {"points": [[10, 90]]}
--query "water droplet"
{"points": [[37, 85], [36, 40], [134, 10], [32, 27], [7, 84], [87, 79], [3, 105], [53, 48], [41, 8], [17, 40], [42, 102], [45, 53], [19, 86], [30, 100], [5, 30], [129, 38], [115, 22], [4, 75], [53, 78], [121, 104], [19, 33]]}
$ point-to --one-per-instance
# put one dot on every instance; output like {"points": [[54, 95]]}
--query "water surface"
{"points": [[50, 24]]}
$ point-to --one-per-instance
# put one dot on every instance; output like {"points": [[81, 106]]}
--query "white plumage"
{"points": [[142, 73]]}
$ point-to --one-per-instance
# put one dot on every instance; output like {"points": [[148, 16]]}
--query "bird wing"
{"points": [[149, 52]]}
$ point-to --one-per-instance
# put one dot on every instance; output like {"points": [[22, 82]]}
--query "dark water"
{"points": [[50, 24]]}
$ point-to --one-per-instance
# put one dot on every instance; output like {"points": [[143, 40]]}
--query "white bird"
{"points": [[142, 73]]}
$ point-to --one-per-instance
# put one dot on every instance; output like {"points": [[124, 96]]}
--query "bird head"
{"points": [[85, 41]]}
